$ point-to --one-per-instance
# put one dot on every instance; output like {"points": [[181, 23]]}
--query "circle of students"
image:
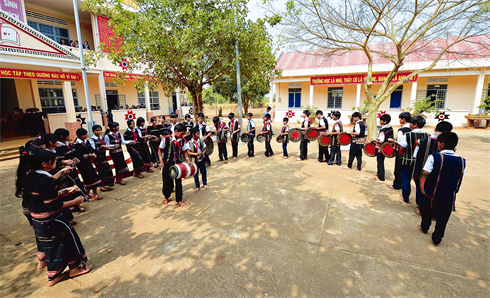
{"points": [[48, 173]]}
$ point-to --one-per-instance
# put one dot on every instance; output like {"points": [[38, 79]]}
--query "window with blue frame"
{"points": [[294, 98], [55, 33]]}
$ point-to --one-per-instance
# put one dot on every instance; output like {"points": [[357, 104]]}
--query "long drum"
{"points": [[344, 138], [260, 138], [209, 146], [324, 140], [183, 170], [370, 149], [295, 135], [244, 138], [388, 149], [280, 139], [312, 134]]}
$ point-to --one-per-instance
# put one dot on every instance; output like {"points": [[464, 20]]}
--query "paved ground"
{"points": [[266, 228]]}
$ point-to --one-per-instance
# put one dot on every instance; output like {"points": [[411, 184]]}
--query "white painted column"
{"points": [[69, 104], [277, 92], [36, 100], [179, 108], [271, 94], [311, 96], [147, 99], [358, 96], [103, 95], [413, 94], [478, 91]]}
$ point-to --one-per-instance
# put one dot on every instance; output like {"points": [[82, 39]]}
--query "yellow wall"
{"points": [[24, 94]]}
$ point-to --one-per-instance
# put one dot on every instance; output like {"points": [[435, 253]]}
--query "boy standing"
{"points": [[268, 135], [336, 130], [251, 135], [173, 121], [204, 134], [357, 144], [323, 155], [221, 129], [404, 119], [188, 125], [385, 133], [303, 145], [235, 134], [441, 180], [171, 152], [196, 149], [285, 133], [409, 142]]}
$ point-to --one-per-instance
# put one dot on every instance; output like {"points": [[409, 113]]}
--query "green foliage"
{"points": [[426, 106], [363, 110], [220, 113], [311, 109], [210, 97], [485, 106], [180, 43]]}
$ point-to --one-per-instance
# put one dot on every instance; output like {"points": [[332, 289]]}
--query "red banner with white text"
{"points": [[377, 78], [106, 33], [41, 75]]}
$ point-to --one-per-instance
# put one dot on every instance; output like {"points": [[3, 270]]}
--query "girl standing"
{"points": [[134, 149], [86, 153], [143, 140], [101, 163], [114, 140], [155, 131]]}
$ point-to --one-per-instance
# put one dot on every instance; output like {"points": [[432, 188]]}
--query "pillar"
{"points": [[103, 95], [271, 94], [413, 94], [478, 91], [179, 103], [311, 96], [149, 113], [36, 100], [358, 96], [71, 119]]}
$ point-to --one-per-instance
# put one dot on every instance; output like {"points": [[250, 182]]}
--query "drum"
{"points": [[280, 139], [388, 149], [209, 146], [312, 134], [166, 132], [260, 138], [183, 170], [324, 140], [244, 138], [344, 138], [370, 149], [295, 135]]}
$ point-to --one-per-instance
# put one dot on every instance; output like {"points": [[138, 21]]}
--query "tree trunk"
{"points": [[198, 103], [372, 125]]}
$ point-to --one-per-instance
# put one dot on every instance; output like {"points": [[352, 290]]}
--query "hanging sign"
{"points": [[377, 78], [40, 75]]}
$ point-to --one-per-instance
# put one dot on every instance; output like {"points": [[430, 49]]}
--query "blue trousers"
{"points": [[285, 148], [406, 175], [201, 167]]}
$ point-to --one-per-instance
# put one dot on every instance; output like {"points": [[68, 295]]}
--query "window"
{"points": [[154, 100], [55, 33], [334, 100], [52, 100], [294, 97], [396, 98], [122, 100], [110, 84], [141, 98], [437, 92]]}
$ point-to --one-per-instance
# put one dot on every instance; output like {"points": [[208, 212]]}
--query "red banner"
{"points": [[41, 75], [106, 32], [377, 78], [128, 76], [13, 8]]}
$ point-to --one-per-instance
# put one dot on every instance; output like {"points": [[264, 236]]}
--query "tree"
{"points": [[386, 31], [257, 65], [178, 43]]}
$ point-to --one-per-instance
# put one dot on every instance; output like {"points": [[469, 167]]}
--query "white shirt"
{"points": [[417, 148], [305, 122], [196, 145], [92, 140], [399, 135], [265, 113], [357, 127], [403, 140], [429, 164], [287, 128], [139, 130], [108, 141], [162, 143], [251, 125], [381, 135], [267, 125], [336, 126], [200, 126], [322, 122], [44, 173]]}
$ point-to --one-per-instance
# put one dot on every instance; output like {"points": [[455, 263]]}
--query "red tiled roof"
{"points": [[477, 47]]}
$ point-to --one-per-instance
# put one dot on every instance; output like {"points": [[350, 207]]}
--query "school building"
{"points": [[38, 71], [336, 83]]}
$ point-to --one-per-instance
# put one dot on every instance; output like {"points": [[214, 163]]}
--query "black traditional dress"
{"points": [[101, 163], [117, 155], [155, 130], [134, 150], [145, 151], [61, 243], [90, 177]]}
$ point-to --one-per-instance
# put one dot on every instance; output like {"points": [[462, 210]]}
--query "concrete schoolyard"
{"points": [[267, 227]]}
